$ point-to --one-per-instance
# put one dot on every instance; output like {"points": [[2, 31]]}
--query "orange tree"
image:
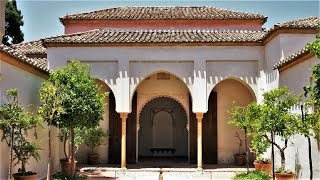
{"points": [[82, 103], [311, 124]]}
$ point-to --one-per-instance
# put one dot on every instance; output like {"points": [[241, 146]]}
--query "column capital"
{"points": [[124, 115], [199, 115]]}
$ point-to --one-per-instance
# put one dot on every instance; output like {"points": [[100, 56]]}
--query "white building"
{"points": [[174, 72]]}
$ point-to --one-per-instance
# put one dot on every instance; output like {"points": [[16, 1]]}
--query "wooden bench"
{"points": [[163, 150]]}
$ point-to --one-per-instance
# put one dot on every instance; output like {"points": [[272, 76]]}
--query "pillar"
{"points": [[199, 140], [123, 139]]}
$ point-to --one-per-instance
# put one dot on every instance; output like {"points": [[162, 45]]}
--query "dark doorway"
{"points": [[163, 131], [209, 132], [115, 132]]}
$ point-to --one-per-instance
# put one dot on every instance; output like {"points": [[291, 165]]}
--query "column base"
{"points": [[199, 169]]}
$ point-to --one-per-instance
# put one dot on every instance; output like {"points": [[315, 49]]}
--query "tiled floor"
{"points": [[160, 170]]}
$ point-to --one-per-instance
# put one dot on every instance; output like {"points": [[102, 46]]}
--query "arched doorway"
{"points": [[167, 87], [221, 139], [163, 130]]}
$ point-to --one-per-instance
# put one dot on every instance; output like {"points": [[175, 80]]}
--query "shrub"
{"points": [[254, 175]]}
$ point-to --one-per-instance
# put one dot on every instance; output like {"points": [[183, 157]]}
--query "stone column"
{"points": [[199, 139], [123, 139]]}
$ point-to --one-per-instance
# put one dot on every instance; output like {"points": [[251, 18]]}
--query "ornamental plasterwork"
{"points": [[144, 98]]}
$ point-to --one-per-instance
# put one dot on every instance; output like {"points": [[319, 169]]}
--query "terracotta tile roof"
{"points": [[138, 13], [305, 23], [291, 58], [39, 63], [30, 48], [158, 36], [310, 22]]}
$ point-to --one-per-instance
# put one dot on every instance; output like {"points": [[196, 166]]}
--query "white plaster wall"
{"points": [[279, 48], [196, 81], [299, 75], [296, 78], [28, 86], [243, 70], [272, 56], [229, 92], [291, 43]]}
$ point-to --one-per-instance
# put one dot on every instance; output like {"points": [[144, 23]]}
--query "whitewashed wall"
{"points": [[296, 78], [28, 86]]}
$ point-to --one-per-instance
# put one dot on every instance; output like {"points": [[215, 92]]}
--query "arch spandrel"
{"points": [[249, 83]]}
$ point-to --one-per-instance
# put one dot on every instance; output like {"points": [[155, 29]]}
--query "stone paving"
{"points": [[136, 172]]}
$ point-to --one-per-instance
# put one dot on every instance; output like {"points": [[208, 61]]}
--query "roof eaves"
{"points": [[11, 52], [291, 58]]}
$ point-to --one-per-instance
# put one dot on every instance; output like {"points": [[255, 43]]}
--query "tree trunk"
{"points": [[247, 150], [283, 159], [23, 166], [65, 147], [310, 159], [49, 156], [272, 156], [11, 154], [309, 145], [72, 153]]}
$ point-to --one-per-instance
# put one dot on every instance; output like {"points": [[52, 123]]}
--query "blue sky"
{"points": [[41, 18]]}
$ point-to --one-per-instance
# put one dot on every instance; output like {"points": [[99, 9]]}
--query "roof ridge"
{"points": [[186, 12], [178, 30]]}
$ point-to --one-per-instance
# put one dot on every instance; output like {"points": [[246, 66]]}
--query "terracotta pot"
{"points": [[19, 176], [239, 159], [66, 166], [93, 159], [283, 176], [263, 167]]}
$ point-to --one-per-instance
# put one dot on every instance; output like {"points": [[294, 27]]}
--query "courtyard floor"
{"points": [[157, 171]]}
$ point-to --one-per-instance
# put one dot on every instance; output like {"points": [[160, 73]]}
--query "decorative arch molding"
{"points": [[180, 98], [135, 82], [105, 83], [249, 86]]}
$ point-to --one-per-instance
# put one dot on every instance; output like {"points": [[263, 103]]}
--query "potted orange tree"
{"points": [[275, 119], [82, 103], [242, 117], [15, 124], [239, 158], [93, 138]]}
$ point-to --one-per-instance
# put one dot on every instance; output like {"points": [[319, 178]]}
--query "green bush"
{"points": [[61, 176], [254, 175]]}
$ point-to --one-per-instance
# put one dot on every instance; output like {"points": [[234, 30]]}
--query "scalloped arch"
{"points": [[162, 96]]}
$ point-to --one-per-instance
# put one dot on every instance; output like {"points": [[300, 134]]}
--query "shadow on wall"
{"points": [[213, 80], [272, 76], [135, 81]]}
